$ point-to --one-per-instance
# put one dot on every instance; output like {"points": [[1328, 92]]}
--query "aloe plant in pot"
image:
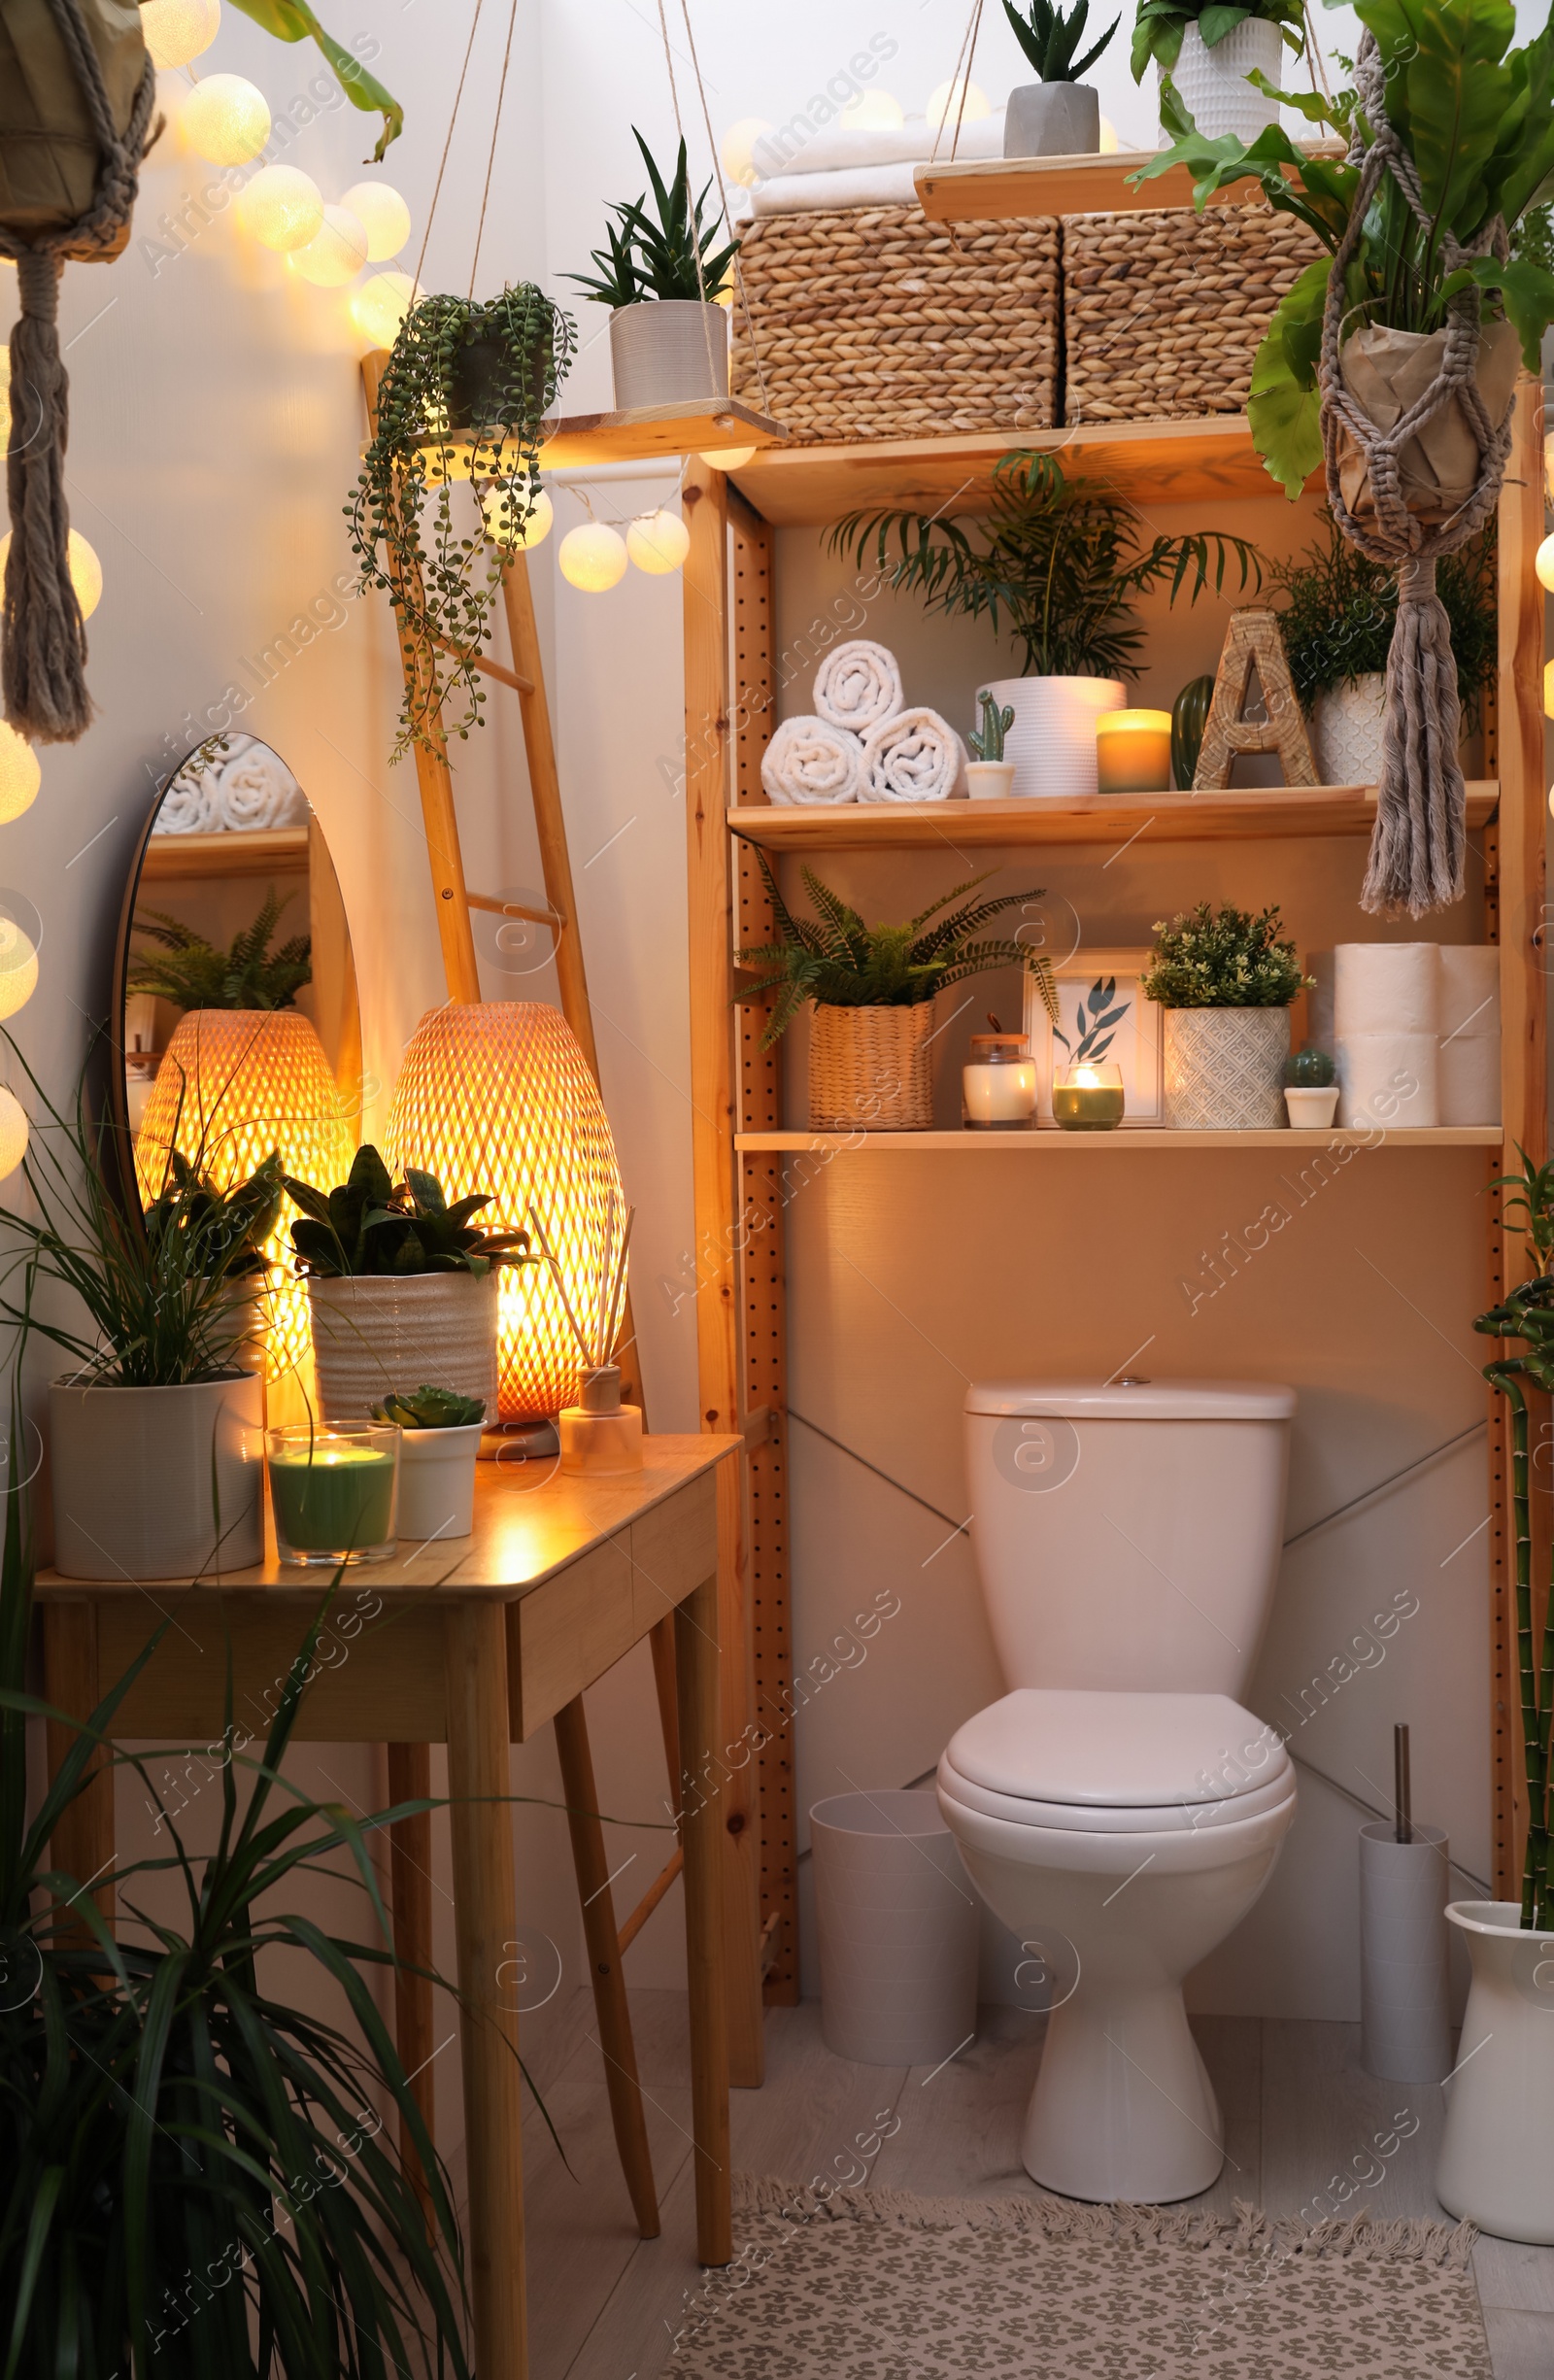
{"points": [[1059, 116], [668, 338]]}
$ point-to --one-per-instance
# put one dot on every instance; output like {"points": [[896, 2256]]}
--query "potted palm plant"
{"points": [[872, 991], [1060, 564], [1218, 59], [668, 339], [1058, 115], [1225, 983]]}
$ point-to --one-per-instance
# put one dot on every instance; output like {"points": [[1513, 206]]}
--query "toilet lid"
{"points": [[1120, 1751]]}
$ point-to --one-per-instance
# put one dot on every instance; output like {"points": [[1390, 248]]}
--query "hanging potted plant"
{"points": [[1225, 983], [668, 339], [1217, 60], [1060, 563], [465, 395], [1058, 115], [872, 989], [401, 1288]]}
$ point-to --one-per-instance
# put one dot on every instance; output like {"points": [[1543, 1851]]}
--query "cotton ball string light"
{"points": [[873, 111], [179, 30], [226, 120], [21, 774], [657, 542], [336, 254], [592, 558], [380, 306], [944, 104], [728, 458], [12, 1132], [282, 207], [1543, 564], [738, 150], [384, 217], [86, 570], [18, 967], [502, 508]]}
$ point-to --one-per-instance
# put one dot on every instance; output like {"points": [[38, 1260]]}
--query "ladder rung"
{"points": [[514, 908], [649, 1902], [484, 662]]}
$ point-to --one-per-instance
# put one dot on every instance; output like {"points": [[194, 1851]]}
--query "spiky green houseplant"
{"points": [[675, 258], [192, 973], [1340, 608], [1050, 35], [370, 1224]]}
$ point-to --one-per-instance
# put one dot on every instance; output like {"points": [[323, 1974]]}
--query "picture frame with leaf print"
{"points": [[1104, 1018]]}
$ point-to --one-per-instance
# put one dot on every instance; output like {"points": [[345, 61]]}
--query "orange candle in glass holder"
{"points": [[1133, 752]]}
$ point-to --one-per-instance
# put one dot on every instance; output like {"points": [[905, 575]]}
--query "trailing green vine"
{"points": [[441, 572]]}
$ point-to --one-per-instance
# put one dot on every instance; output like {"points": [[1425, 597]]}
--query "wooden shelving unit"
{"points": [[269, 851], [985, 190], [1300, 1146]]}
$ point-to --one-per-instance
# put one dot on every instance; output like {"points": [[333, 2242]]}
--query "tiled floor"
{"points": [[1302, 2125]]}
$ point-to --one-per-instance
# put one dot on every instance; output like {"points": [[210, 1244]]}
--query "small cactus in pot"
{"points": [[1310, 1089], [989, 776]]}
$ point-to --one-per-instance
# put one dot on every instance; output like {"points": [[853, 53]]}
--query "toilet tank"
{"points": [[1126, 1533]]}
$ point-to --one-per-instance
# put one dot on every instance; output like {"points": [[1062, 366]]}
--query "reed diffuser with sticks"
{"points": [[599, 1435]]}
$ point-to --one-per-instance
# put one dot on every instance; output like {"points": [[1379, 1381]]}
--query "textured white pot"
{"points": [[1224, 1068], [667, 350], [376, 1335], [1212, 82], [1346, 724], [1311, 1106], [158, 1483], [437, 1482], [1497, 2164], [1052, 741]]}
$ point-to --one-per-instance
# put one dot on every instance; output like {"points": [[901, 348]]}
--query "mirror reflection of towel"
{"points": [[241, 789]]}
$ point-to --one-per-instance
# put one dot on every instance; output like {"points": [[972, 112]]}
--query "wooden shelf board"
{"points": [[650, 430], [277, 851], [1207, 460], [988, 190], [1301, 1145], [1246, 815]]}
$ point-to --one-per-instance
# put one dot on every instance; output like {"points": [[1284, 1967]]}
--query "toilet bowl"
{"points": [[1118, 1809]]}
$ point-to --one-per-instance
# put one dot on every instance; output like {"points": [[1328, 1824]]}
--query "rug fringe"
{"points": [[1248, 2232]]}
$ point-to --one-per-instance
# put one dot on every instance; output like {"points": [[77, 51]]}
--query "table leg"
{"points": [[410, 1882], [695, 1644], [83, 1842], [485, 1923]]}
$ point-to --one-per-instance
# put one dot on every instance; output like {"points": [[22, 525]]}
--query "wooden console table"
{"points": [[475, 1645]]}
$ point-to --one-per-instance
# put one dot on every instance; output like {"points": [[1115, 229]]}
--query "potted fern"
{"points": [[668, 340], [872, 989], [1225, 983], [1058, 115], [1058, 563]]}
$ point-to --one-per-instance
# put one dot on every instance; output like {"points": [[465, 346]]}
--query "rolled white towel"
{"points": [[189, 805], [793, 149], [254, 789], [857, 686], [915, 757], [852, 187], [809, 760]]}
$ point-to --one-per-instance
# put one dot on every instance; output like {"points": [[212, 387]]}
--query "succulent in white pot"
{"points": [[1204, 51], [1225, 982], [668, 336], [1058, 563], [1058, 115], [439, 1443]]}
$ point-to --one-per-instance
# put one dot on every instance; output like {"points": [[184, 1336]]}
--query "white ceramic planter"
{"points": [[1346, 725], [437, 1484], [990, 780], [1497, 2163], [376, 1335], [1052, 742], [1311, 1106], [1224, 1068], [158, 1483], [668, 350], [1212, 82]]}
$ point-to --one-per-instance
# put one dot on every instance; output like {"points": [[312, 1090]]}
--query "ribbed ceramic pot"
{"points": [[1497, 2166], [668, 350], [1052, 740], [158, 1483], [1224, 1068], [870, 1068], [381, 1335], [1346, 724], [1212, 82]]}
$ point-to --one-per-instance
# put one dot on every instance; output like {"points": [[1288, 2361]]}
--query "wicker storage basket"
{"points": [[877, 323], [870, 1068], [1164, 314]]}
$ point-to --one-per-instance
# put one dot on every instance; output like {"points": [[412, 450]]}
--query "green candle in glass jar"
{"points": [[333, 1492], [1088, 1097]]}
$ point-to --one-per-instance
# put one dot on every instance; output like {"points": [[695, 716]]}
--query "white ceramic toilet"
{"points": [[1118, 1810]]}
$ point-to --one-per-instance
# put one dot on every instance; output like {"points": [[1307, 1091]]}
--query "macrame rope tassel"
{"points": [[46, 693], [1418, 852]]}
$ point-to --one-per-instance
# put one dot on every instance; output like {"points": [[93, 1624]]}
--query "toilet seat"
{"points": [[1116, 1763]]}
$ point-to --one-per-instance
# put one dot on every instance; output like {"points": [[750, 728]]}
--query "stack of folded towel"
{"points": [[839, 168], [861, 744]]}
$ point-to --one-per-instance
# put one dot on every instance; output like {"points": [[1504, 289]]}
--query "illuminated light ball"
{"points": [[657, 542], [336, 254], [593, 558], [738, 150], [1548, 689], [226, 120], [873, 111], [21, 774], [86, 572], [503, 509], [18, 968], [728, 458], [1543, 564], [179, 30], [944, 104], [383, 216], [282, 207], [12, 1132], [1110, 145], [380, 306]]}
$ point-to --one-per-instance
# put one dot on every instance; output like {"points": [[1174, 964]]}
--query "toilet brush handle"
{"points": [[1402, 1790]]}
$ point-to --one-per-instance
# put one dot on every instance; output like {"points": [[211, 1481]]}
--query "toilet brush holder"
{"points": [[600, 1434], [1406, 2017]]}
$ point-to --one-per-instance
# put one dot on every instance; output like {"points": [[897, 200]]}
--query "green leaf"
{"points": [[1216, 21], [1283, 408], [291, 21], [1527, 291]]}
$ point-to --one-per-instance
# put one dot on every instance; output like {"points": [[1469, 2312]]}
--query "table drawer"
{"points": [[564, 1633], [674, 1547], [378, 1675]]}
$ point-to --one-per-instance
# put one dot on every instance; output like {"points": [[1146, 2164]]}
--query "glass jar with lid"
{"points": [[999, 1083]]}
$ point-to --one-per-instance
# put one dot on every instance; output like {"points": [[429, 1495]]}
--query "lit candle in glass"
{"points": [[999, 1084], [333, 1491], [1088, 1097], [1133, 752]]}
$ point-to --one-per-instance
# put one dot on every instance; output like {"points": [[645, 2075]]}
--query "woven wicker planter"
{"points": [[1224, 1068], [870, 1069], [1163, 314], [877, 323]]}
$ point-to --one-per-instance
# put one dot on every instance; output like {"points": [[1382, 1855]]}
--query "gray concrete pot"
{"points": [[668, 350], [158, 1483], [1052, 120]]}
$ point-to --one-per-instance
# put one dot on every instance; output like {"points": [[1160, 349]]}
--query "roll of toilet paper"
{"points": [[1468, 990], [1391, 1080], [1406, 2021], [1319, 1022], [1469, 1081], [1385, 988]]}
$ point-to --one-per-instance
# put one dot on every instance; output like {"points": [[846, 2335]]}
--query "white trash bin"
{"points": [[896, 1925]]}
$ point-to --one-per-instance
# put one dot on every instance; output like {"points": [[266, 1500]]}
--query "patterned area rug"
{"points": [[873, 2285]]}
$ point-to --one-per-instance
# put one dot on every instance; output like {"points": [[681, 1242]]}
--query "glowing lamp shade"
{"points": [[1543, 564], [499, 1098], [86, 570], [737, 150], [179, 30], [18, 967], [281, 207], [12, 1132], [503, 511], [381, 305], [226, 120], [592, 558], [944, 104], [873, 111], [19, 774], [236, 1084], [383, 216], [657, 542], [336, 254]]}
